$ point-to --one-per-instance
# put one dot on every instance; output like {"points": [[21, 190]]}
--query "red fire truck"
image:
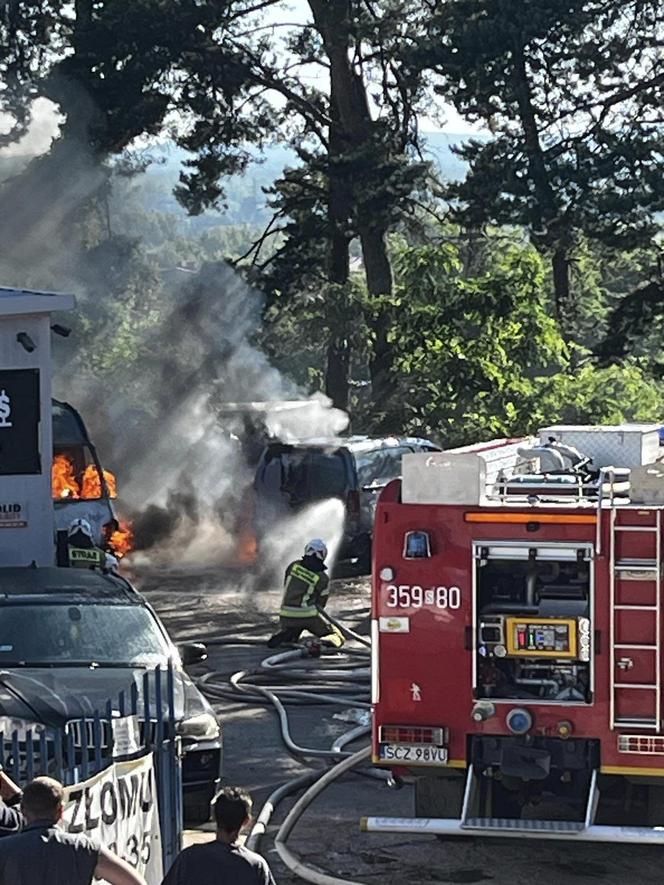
{"points": [[517, 637]]}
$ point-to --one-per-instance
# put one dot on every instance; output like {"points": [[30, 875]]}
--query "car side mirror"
{"points": [[192, 653]]}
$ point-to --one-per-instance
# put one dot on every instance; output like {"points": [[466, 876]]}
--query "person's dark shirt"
{"points": [[215, 863], [11, 820], [44, 854]]}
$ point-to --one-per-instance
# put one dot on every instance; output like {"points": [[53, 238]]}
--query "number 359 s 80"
{"points": [[414, 596]]}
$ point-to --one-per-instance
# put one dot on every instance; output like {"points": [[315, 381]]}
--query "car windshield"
{"points": [[65, 635]]}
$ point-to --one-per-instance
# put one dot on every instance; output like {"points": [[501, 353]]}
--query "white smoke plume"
{"points": [[43, 128], [179, 439], [181, 424]]}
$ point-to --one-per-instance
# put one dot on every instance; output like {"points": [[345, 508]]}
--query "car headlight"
{"points": [[203, 726]]}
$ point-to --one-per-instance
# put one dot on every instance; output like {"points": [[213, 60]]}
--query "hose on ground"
{"points": [[291, 860], [296, 678], [263, 819]]}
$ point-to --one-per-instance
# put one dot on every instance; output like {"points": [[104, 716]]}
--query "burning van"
{"points": [[81, 487]]}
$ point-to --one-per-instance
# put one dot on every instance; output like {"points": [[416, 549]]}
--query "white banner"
{"points": [[119, 808]]}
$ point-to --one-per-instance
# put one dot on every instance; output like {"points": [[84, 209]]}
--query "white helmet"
{"points": [[316, 548], [82, 526]]}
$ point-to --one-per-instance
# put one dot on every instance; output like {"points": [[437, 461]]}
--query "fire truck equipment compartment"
{"points": [[530, 603], [625, 445]]}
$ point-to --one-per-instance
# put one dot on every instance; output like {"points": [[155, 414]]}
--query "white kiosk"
{"points": [[26, 445]]}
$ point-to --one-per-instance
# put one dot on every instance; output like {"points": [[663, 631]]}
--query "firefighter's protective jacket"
{"points": [[305, 589]]}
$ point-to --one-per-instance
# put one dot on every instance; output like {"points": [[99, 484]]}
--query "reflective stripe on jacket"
{"points": [[304, 588], [80, 557]]}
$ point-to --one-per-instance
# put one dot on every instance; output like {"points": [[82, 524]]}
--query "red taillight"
{"points": [[412, 734], [353, 503], [648, 745]]}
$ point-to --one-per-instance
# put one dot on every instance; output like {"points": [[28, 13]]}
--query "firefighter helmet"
{"points": [[82, 526], [316, 548]]}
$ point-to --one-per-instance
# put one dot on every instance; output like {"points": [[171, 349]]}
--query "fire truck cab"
{"points": [[517, 658]]}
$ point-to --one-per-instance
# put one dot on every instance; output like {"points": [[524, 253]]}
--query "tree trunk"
{"points": [[339, 209], [336, 372], [381, 364], [548, 227], [560, 269], [348, 98]]}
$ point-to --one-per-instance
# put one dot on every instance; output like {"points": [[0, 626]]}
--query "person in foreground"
{"points": [[11, 819], [223, 861], [44, 852]]}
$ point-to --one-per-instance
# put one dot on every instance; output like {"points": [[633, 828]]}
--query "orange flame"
{"points": [[247, 547], [66, 485], [122, 541], [63, 481], [91, 486]]}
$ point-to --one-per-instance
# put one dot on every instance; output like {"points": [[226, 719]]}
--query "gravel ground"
{"points": [[203, 605]]}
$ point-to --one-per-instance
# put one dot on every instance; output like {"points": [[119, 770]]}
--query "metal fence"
{"points": [[80, 748]]}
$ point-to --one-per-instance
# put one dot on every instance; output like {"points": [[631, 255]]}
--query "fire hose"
{"points": [[299, 677]]}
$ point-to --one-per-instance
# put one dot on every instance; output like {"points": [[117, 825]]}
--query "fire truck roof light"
{"points": [[525, 518]]}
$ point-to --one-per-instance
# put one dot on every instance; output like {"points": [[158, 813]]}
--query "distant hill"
{"points": [[246, 200]]}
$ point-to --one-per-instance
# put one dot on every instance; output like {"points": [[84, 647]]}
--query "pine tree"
{"points": [[572, 93]]}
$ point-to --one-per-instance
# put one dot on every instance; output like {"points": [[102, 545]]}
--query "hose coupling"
{"points": [[311, 648]]}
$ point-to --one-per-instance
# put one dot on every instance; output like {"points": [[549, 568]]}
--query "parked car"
{"points": [[353, 470], [73, 639]]}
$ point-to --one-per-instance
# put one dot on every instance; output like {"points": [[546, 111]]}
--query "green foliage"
{"points": [[469, 348], [591, 395]]}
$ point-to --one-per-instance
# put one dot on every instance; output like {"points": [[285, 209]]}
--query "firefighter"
{"points": [[81, 548], [306, 590]]}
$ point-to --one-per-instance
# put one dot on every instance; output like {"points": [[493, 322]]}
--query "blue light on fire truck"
{"points": [[519, 721], [416, 545]]}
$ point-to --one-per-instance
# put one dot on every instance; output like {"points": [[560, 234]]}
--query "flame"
{"points": [[63, 480], [91, 486], [66, 485], [122, 541], [247, 547]]}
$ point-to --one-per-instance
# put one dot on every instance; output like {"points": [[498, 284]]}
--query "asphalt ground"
{"points": [[204, 605]]}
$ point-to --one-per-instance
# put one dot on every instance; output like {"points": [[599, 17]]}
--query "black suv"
{"points": [[292, 476], [73, 639]]}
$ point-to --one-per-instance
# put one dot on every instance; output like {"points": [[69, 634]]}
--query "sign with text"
{"points": [[118, 807], [13, 515], [19, 422]]}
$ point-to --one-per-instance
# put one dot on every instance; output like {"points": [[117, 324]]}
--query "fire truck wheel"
{"points": [[655, 805]]}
